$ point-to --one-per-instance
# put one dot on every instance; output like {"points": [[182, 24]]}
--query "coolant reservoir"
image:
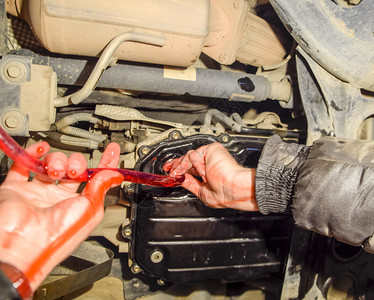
{"points": [[85, 27]]}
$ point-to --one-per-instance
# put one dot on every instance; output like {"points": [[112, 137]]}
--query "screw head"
{"points": [[157, 256], [135, 269], [145, 151], [15, 71], [130, 192], [160, 282], [127, 232], [175, 136], [13, 121], [225, 139]]}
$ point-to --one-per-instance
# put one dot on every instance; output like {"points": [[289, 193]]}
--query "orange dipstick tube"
{"points": [[11, 148]]}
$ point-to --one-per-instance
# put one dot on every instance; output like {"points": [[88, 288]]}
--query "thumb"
{"points": [[192, 184], [100, 184]]}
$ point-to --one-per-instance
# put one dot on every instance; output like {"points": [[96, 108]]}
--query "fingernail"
{"points": [[40, 150], [72, 173], [175, 173], [54, 174]]}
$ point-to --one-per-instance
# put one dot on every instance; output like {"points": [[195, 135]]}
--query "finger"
{"points": [[110, 156], [100, 184], [193, 185], [182, 165], [76, 165], [56, 164], [197, 159], [193, 162], [199, 190], [18, 172], [170, 163]]}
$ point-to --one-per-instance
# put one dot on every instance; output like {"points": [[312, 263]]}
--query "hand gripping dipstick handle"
{"points": [[11, 148]]}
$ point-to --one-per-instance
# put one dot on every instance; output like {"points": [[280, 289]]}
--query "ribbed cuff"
{"points": [[274, 186], [276, 174], [18, 280]]}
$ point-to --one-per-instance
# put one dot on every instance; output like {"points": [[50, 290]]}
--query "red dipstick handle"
{"points": [[19, 155]]}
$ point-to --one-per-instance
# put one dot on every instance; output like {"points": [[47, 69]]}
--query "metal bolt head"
{"points": [[160, 282], [12, 122], [127, 232], [135, 269], [129, 192], [225, 139], [175, 136], [15, 71], [157, 256], [145, 151]]}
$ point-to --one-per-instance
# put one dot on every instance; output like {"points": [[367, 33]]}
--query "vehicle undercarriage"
{"points": [[164, 77]]}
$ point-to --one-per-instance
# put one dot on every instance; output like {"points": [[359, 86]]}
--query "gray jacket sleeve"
{"points": [[329, 186]]}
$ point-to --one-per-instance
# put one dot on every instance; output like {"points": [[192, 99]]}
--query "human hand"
{"points": [[225, 183], [41, 223]]}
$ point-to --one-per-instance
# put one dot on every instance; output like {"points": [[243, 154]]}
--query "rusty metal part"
{"points": [[332, 107], [226, 20], [260, 44], [85, 27], [338, 38], [86, 265]]}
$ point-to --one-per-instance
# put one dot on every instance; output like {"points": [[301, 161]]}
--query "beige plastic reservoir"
{"points": [[84, 27]]}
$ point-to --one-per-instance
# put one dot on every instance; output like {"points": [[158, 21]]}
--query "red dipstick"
{"points": [[19, 155]]}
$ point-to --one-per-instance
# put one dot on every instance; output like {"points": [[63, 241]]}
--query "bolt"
{"points": [[160, 282], [130, 192], [13, 71], [135, 269], [225, 139], [127, 232], [297, 269], [145, 151], [175, 135], [157, 256], [12, 122]]}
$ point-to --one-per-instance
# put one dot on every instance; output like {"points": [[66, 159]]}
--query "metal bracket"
{"points": [[14, 70], [86, 265]]}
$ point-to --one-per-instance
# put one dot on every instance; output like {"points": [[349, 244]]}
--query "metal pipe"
{"points": [[208, 83], [103, 62]]}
